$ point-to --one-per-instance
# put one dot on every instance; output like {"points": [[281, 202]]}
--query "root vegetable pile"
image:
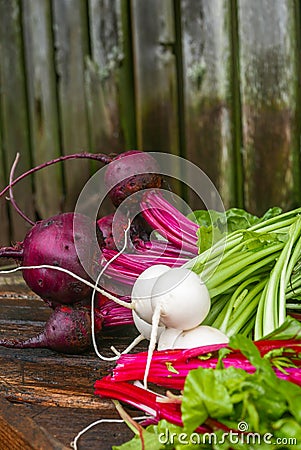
{"points": [[183, 281], [198, 287]]}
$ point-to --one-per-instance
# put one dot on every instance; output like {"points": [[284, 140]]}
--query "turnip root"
{"points": [[68, 330], [201, 335], [55, 242]]}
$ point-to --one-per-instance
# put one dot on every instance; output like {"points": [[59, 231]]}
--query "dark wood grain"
{"points": [[50, 395]]}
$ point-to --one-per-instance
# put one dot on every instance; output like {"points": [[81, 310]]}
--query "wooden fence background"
{"points": [[215, 81]]}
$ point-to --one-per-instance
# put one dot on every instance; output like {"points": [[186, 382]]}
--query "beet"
{"points": [[105, 226], [121, 185], [139, 231], [143, 169], [56, 242], [68, 330]]}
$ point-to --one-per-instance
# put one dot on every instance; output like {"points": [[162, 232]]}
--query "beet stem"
{"points": [[105, 159], [11, 195], [11, 252]]}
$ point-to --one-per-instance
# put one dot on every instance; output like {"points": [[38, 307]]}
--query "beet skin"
{"points": [[55, 242], [68, 330]]}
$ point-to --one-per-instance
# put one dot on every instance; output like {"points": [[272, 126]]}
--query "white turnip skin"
{"points": [[142, 291], [167, 338], [197, 337], [183, 298], [68, 330], [144, 327]]}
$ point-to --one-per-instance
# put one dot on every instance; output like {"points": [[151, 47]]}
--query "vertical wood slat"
{"points": [[269, 85], [102, 84], [207, 74], [71, 46], [155, 76], [43, 108], [14, 115], [4, 216]]}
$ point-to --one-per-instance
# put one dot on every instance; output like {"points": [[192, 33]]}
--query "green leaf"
{"points": [[215, 225], [150, 442], [204, 396], [251, 352], [290, 329], [286, 429]]}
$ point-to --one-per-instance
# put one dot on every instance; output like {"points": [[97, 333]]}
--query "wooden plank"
{"points": [[208, 106], [4, 213], [44, 390], [14, 117], [155, 76], [270, 102], [102, 82], [71, 48], [19, 432], [42, 100], [126, 79]]}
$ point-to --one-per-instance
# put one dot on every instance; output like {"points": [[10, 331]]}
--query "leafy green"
{"points": [[268, 407], [290, 329], [259, 398], [214, 225], [150, 440]]}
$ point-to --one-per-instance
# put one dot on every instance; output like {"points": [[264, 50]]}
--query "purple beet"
{"points": [[117, 177], [68, 330], [56, 242], [139, 231], [123, 186], [105, 226]]}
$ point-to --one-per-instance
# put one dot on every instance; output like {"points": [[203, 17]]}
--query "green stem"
{"points": [[219, 286], [246, 310], [275, 293], [237, 293]]}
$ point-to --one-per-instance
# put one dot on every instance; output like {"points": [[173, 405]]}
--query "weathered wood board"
{"points": [[13, 107], [208, 85], [42, 104], [46, 398], [270, 102], [71, 46]]}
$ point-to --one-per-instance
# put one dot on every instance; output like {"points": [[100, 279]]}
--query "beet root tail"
{"points": [[33, 342]]}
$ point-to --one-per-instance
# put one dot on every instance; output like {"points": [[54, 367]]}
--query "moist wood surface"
{"points": [[46, 398]]}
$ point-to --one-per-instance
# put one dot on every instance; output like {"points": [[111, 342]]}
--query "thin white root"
{"points": [[100, 356], [73, 444], [133, 344], [152, 342], [61, 269]]}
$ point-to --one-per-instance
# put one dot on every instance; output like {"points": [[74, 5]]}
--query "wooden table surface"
{"points": [[46, 398]]}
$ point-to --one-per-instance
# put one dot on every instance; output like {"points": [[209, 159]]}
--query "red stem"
{"points": [[11, 195], [11, 252], [105, 159]]}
